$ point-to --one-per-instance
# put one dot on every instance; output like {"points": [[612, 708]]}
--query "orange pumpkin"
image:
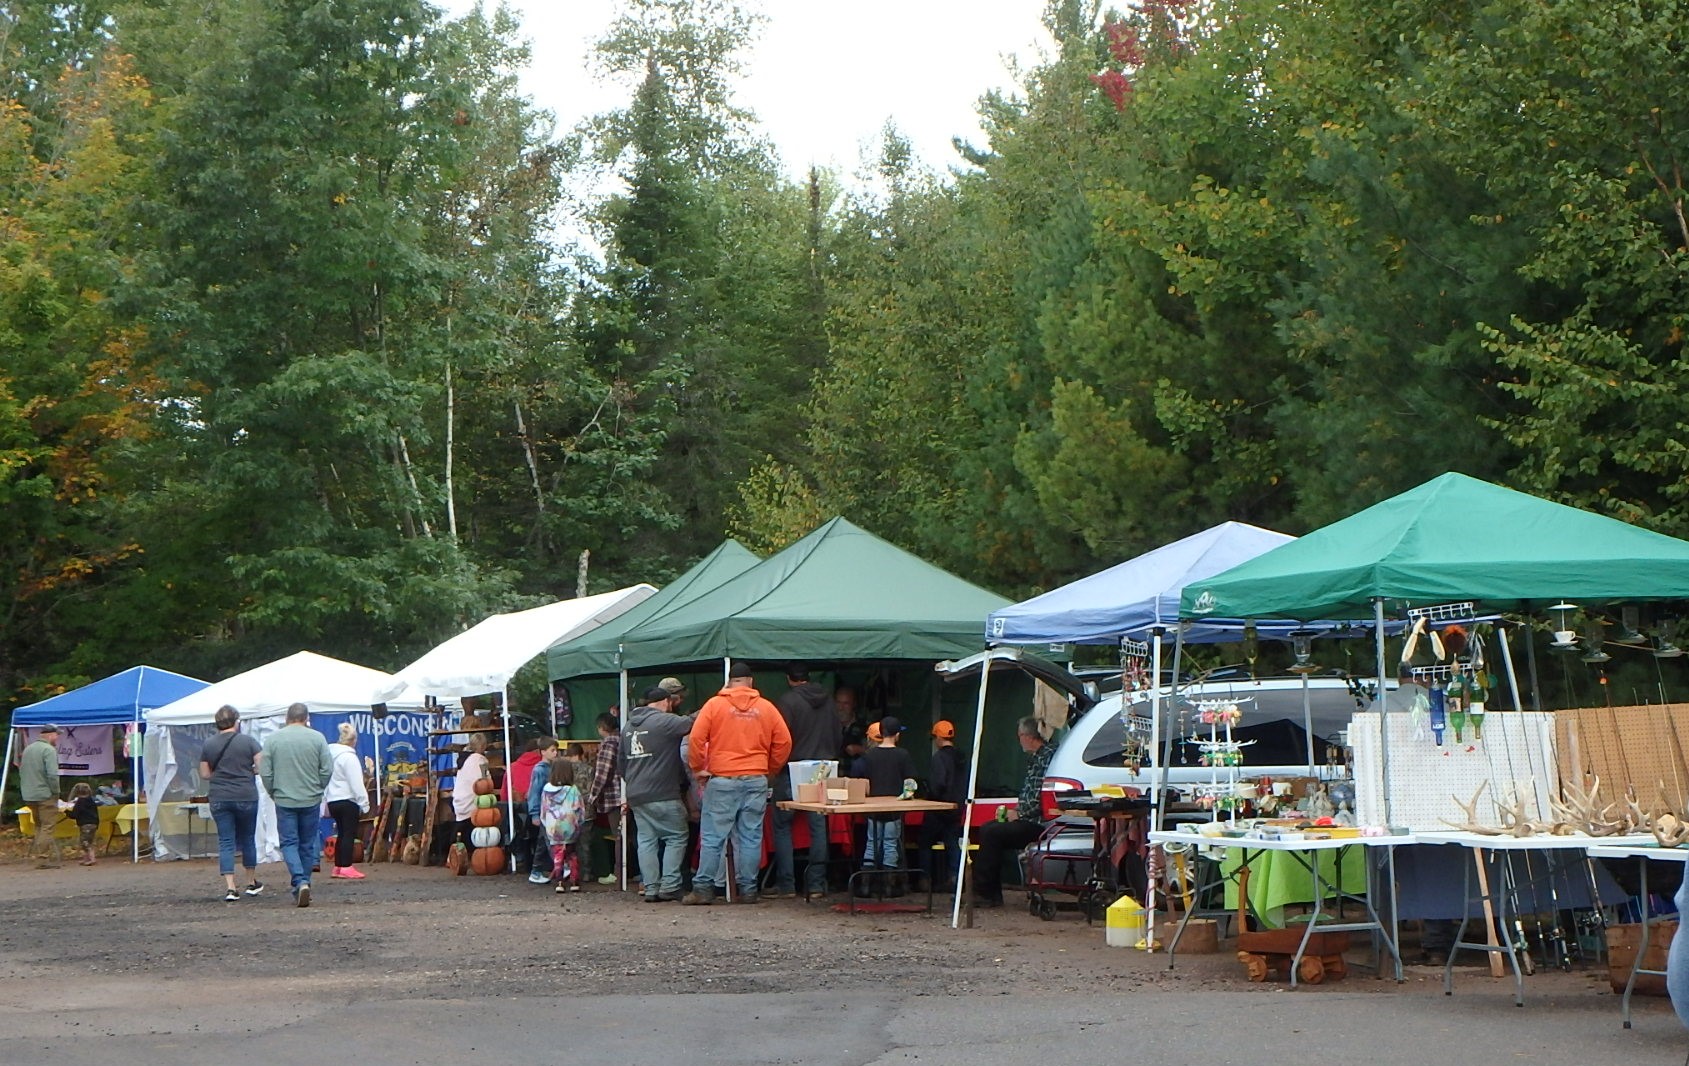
{"points": [[487, 860], [484, 786], [484, 817]]}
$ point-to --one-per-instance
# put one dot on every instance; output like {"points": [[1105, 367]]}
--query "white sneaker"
{"points": [[537, 878]]}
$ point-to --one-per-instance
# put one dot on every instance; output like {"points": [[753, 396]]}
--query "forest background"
{"points": [[292, 353]]}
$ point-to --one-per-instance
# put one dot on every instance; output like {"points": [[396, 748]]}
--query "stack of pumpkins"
{"points": [[484, 832]]}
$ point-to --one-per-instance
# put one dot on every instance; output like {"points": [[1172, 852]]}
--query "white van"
{"points": [[1094, 749]]}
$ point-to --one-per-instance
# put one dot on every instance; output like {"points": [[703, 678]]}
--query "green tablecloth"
{"points": [[1277, 879]]}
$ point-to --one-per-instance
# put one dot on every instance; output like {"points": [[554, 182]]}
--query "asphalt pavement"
{"points": [[864, 1027]]}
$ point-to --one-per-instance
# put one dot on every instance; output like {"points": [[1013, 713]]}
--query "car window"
{"points": [[1272, 717]]}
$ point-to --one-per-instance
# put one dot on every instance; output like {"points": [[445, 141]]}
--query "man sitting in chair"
{"points": [[1025, 821]]}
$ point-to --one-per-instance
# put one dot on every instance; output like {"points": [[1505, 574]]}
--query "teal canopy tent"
{"points": [[1452, 538]]}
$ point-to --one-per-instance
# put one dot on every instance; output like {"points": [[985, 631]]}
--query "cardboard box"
{"points": [[847, 789], [811, 771], [811, 793]]}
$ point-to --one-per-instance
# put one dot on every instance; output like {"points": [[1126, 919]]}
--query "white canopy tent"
{"points": [[329, 687], [484, 657]]}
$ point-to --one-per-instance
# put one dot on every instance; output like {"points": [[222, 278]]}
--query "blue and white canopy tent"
{"points": [[121, 699], [1138, 601]]}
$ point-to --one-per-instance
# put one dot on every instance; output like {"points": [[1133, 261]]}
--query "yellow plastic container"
{"points": [[1124, 927]]}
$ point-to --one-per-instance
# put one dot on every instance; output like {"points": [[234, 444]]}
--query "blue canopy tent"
{"points": [[121, 699], [1135, 599]]}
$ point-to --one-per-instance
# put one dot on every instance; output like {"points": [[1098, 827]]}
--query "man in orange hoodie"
{"points": [[738, 742]]}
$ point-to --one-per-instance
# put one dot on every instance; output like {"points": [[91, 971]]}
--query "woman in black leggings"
{"points": [[347, 800]]}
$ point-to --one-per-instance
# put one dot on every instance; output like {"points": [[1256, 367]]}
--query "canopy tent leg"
{"points": [[1507, 660], [1308, 721], [380, 763], [136, 746], [968, 810], [1383, 704], [1164, 754], [622, 816], [6, 767], [726, 670], [1151, 869], [1154, 706], [1531, 665], [509, 785]]}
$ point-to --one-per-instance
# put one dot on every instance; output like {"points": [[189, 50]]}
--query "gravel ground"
{"points": [[116, 927]]}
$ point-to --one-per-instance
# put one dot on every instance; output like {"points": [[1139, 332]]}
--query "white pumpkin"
{"points": [[486, 837]]}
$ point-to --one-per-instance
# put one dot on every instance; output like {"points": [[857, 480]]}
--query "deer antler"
{"points": [[1668, 829], [1471, 824], [1584, 811]]}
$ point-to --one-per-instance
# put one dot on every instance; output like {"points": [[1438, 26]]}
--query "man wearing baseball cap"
{"points": [[676, 690], [947, 782], [38, 782]]}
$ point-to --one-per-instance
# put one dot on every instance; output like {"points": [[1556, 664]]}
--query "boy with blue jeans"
{"points": [[888, 766]]}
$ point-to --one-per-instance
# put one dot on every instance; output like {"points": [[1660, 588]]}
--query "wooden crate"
{"points": [[1622, 942]]}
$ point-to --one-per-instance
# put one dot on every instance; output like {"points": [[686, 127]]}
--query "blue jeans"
{"points": [[733, 806], [663, 834], [815, 874], [885, 843], [237, 823], [297, 828], [1677, 961]]}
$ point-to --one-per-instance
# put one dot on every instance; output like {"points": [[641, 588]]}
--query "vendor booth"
{"points": [[89, 717], [1135, 605], [481, 660], [335, 691], [1453, 556]]}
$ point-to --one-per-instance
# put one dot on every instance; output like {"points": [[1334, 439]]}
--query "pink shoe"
{"points": [[349, 873]]}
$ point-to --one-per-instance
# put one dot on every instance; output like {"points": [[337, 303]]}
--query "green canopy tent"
{"points": [[1454, 538], [599, 652], [840, 593]]}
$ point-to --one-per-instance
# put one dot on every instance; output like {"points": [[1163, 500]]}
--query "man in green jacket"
{"points": [[295, 769], [38, 781]]}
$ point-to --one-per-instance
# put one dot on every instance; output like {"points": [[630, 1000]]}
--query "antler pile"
{"points": [[1582, 812]]}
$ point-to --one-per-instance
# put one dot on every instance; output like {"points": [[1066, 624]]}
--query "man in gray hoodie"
{"points": [[816, 734], [653, 782]]}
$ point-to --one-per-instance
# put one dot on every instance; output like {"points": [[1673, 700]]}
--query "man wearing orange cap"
{"points": [[947, 782]]}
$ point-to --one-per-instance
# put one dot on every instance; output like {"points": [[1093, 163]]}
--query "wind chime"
{"points": [[1134, 677]]}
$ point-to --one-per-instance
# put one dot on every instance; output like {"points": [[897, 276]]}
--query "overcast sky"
{"points": [[824, 78]]}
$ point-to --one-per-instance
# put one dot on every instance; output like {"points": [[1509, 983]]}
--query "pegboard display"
{"points": [[1640, 748], [1517, 752]]}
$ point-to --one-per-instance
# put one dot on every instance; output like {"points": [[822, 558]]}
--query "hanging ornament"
{"points": [[1439, 712], [1630, 618], [1665, 646], [1565, 638], [1593, 638], [1455, 696]]}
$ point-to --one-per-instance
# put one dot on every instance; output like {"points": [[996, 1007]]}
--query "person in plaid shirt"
{"points": [[1025, 822], [603, 795]]}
